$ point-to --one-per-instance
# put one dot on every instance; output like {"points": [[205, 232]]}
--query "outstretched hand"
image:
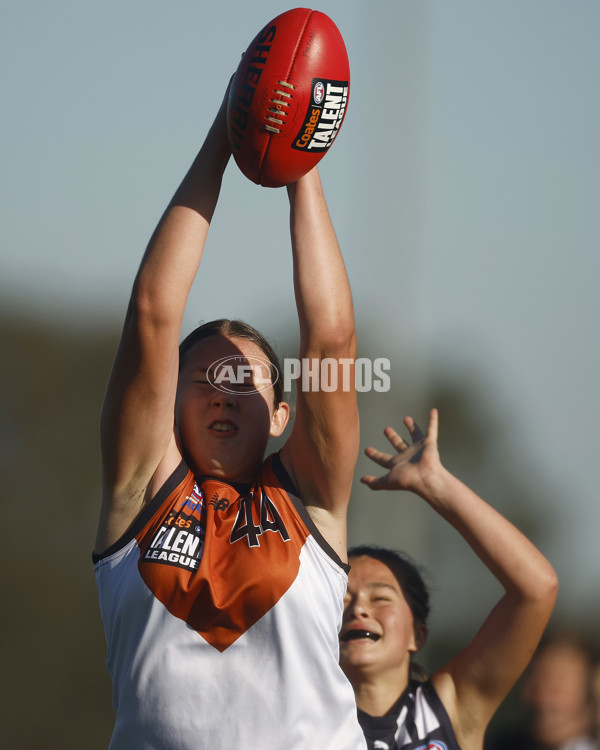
{"points": [[414, 465]]}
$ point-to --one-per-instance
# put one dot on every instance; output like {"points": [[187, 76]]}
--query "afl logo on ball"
{"points": [[318, 92]]}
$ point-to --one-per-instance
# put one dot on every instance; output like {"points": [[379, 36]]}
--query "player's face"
{"points": [[556, 690], [224, 417], [378, 631]]}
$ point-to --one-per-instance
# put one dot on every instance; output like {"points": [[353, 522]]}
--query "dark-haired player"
{"points": [[387, 607]]}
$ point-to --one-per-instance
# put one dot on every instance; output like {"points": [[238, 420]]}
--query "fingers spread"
{"points": [[432, 432], [383, 459], [395, 439], [416, 433], [374, 483]]}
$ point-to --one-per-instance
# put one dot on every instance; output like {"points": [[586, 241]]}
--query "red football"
{"points": [[288, 97]]}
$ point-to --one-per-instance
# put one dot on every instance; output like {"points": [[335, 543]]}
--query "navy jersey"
{"points": [[418, 721]]}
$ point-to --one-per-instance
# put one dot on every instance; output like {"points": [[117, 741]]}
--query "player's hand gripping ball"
{"points": [[288, 97]]}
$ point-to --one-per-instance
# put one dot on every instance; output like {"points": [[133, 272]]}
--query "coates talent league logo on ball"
{"points": [[323, 117]]}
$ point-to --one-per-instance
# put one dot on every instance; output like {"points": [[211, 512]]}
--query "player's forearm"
{"points": [[518, 565], [175, 250], [321, 283]]}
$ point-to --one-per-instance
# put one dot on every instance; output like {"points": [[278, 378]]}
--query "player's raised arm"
{"points": [[288, 102], [322, 449], [474, 683], [137, 436]]}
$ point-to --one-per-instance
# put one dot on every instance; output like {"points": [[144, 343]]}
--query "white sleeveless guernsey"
{"points": [[221, 608]]}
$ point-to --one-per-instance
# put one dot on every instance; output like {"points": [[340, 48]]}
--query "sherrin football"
{"points": [[288, 97]]}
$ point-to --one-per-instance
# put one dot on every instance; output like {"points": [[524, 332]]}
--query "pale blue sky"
{"points": [[464, 188]]}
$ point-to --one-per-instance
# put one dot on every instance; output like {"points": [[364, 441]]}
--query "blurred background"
{"points": [[464, 190]]}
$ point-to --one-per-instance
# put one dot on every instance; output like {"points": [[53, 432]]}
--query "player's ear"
{"points": [[279, 420], [419, 637]]}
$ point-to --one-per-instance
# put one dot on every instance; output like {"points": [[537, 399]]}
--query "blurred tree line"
{"points": [[56, 691]]}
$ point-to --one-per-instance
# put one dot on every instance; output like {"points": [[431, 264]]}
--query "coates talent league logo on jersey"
{"points": [[179, 540], [323, 116]]}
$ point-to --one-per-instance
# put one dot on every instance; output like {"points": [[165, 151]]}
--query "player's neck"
{"points": [[376, 696]]}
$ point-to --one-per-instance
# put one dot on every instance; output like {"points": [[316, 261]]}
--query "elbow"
{"points": [[333, 337], [150, 308], [144, 297], [342, 339], [552, 585], [546, 588], [537, 594], [535, 584]]}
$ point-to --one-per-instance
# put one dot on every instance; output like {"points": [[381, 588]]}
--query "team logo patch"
{"points": [[323, 117], [180, 538], [219, 503], [433, 745]]}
